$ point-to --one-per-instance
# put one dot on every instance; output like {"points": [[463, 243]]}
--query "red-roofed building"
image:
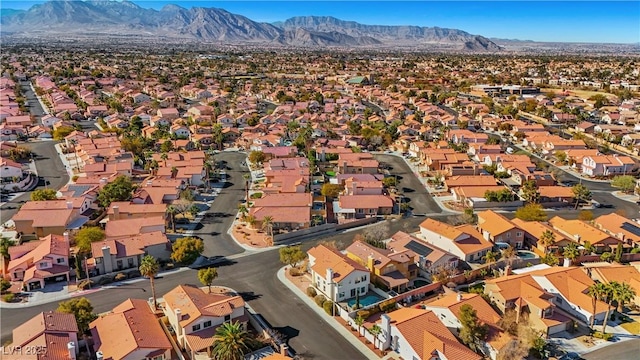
{"points": [[49, 260], [336, 275], [54, 333]]}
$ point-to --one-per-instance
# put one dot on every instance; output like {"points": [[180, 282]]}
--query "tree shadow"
{"points": [[407, 190], [249, 295]]}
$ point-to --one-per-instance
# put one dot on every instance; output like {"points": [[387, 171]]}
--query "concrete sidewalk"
{"points": [[626, 197], [328, 319]]}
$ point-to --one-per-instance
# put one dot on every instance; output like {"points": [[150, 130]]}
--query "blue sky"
{"points": [[571, 21]]}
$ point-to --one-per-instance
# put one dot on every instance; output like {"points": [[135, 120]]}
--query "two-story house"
{"points": [[195, 314], [337, 276], [35, 262], [350, 207], [464, 241], [429, 258], [131, 331], [497, 228], [393, 270], [54, 332], [114, 255]]}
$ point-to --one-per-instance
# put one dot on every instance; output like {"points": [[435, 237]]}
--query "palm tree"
{"points": [[509, 254], [623, 293], [490, 257], [174, 172], [149, 267], [607, 297], [596, 291], [267, 225], [231, 342], [359, 320], [251, 220], [5, 244], [375, 330], [242, 209], [571, 252], [164, 157], [247, 178], [172, 211], [546, 239]]}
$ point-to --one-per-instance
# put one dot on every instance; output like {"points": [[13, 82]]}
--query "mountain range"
{"points": [[67, 18]]}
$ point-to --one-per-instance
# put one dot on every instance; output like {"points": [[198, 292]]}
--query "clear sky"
{"points": [[570, 21]]}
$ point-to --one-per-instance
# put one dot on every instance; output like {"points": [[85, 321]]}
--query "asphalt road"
{"points": [[626, 350], [34, 105], [214, 226], [411, 187], [50, 169]]}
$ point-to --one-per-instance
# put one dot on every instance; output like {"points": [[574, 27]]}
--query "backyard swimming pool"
{"points": [[526, 254], [366, 300]]}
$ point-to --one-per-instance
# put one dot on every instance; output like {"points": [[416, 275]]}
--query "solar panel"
{"points": [[418, 248], [635, 230]]}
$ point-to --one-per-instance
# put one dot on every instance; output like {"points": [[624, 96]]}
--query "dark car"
{"points": [[204, 261], [570, 356]]}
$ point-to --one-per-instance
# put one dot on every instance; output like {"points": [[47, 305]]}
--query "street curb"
{"points": [[320, 312]]}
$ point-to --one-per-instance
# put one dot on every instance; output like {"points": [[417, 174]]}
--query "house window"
{"points": [[519, 234], [60, 260], [353, 292], [341, 295], [43, 264], [363, 290], [119, 264], [508, 235], [130, 262], [195, 327], [360, 211], [227, 317], [207, 324]]}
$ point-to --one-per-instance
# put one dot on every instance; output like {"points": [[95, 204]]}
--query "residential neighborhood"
{"points": [[240, 202]]}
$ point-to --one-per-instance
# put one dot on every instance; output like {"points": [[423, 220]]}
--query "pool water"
{"points": [[526, 255], [420, 283], [368, 299]]}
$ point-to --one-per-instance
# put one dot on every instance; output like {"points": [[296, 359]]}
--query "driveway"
{"points": [[218, 219], [421, 201], [50, 169], [626, 350]]}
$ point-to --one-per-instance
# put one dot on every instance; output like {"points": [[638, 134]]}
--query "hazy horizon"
{"points": [[542, 21]]}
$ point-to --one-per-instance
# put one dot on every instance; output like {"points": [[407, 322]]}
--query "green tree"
{"points": [[87, 235], [599, 100], [531, 212], [596, 292], [231, 342], [118, 190], [4, 285], [389, 181], [359, 321], [626, 183], [571, 252], [61, 132], [5, 244], [82, 309], [186, 250], [581, 193], [149, 267], [561, 156], [292, 255], [608, 297], [550, 259], [44, 194], [267, 225], [509, 254], [256, 157], [473, 332], [375, 330], [622, 294], [206, 276], [618, 256], [242, 209], [331, 190], [585, 215], [490, 257], [530, 192], [547, 238], [167, 146]]}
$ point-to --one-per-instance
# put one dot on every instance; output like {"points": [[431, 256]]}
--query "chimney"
{"points": [[178, 314], [106, 259], [99, 355], [385, 325], [178, 317], [66, 236], [329, 275], [567, 262], [284, 349], [370, 262], [459, 297], [72, 350], [116, 212], [103, 181], [69, 205]]}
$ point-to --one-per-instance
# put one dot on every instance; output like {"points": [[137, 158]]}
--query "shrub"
{"points": [[256, 195], [75, 178], [295, 271], [635, 250], [134, 274], [600, 335], [85, 284], [387, 305], [8, 297], [328, 307], [120, 277], [105, 280], [311, 291], [319, 299]]}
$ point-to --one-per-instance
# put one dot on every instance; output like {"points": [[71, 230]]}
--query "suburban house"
{"points": [[497, 228], [131, 331], [336, 275], [429, 258], [134, 226], [448, 310], [10, 169], [114, 255], [287, 210], [37, 262], [393, 270], [54, 332], [581, 232], [195, 314], [533, 231], [350, 207], [357, 163], [41, 218], [619, 273], [464, 241], [605, 165], [419, 334], [522, 294], [129, 210], [626, 230]]}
